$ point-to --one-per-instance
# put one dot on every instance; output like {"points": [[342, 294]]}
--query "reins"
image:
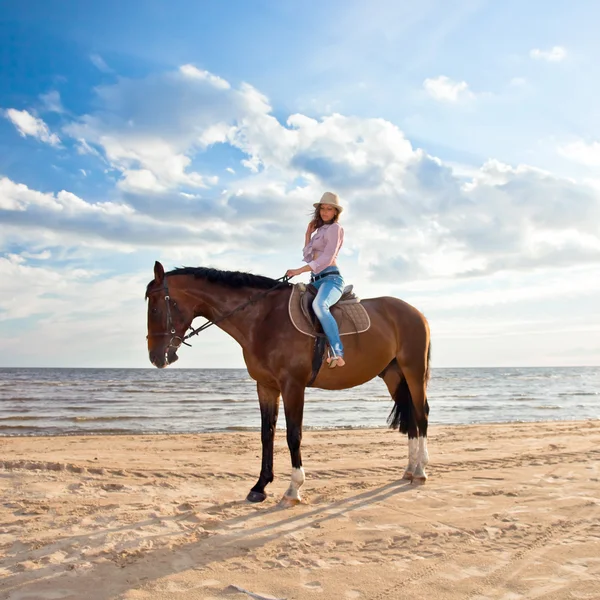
{"points": [[208, 323], [171, 330]]}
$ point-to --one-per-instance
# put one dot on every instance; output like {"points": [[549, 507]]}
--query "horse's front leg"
{"points": [[293, 402], [268, 398]]}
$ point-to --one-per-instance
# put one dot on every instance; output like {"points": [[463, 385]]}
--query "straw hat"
{"points": [[330, 198]]}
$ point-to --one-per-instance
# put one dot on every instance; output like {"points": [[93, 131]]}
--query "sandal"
{"points": [[334, 361]]}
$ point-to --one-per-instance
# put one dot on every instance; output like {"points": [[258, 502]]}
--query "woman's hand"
{"points": [[312, 227], [293, 272]]}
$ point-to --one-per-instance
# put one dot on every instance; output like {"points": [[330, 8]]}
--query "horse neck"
{"points": [[214, 301]]}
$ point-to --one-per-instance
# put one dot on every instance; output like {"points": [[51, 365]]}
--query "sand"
{"points": [[508, 512]]}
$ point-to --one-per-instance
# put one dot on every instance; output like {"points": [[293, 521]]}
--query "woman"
{"points": [[320, 252]]}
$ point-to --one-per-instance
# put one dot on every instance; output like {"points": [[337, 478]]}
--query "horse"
{"points": [[253, 309]]}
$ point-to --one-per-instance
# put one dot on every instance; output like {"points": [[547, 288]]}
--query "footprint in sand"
{"points": [[315, 586]]}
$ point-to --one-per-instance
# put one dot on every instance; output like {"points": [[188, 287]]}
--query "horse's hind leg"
{"points": [[402, 415], [416, 380]]}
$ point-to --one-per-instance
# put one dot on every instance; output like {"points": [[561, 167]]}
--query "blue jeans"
{"points": [[330, 290]]}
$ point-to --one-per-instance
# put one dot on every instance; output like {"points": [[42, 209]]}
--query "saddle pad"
{"points": [[351, 318]]}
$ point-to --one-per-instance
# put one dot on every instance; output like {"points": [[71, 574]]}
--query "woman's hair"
{"points": [[319, 221]]}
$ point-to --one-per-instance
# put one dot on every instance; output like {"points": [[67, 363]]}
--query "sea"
{"points": [[150, 401]]}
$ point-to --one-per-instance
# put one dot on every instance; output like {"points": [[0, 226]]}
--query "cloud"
{"points": [[100, 64], [168, 222], [52, 102], [444, 89], [522, 218], [149, 129], [28, 125], [504, 219], [582, 152], [83, 147], [86, 223], [45, 255], [193, 72], [140, 180], [412, 217], [555, 54], [518, 82], [73, 310], [408, 213]]}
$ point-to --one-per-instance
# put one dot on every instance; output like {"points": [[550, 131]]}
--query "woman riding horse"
{"points": [[254, 310]]}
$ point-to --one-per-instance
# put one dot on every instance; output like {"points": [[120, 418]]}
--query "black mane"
{"points": [[234, 279]]}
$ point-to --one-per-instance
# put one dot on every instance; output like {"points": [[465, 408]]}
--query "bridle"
{"points": [[176, 341]]}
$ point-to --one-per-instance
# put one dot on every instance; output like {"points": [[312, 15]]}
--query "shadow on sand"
{"points": [[225, 539]]}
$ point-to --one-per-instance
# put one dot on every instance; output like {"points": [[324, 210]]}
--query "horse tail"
{"points": [[402, 415], [427, 375]]}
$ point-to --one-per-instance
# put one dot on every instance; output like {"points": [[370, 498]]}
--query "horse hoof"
{"points": [[287, 502], [419, 480], [408, 475], [256, 496]]}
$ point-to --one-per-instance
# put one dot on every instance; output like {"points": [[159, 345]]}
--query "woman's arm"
{"points": [[294, 272], [306, 251]]}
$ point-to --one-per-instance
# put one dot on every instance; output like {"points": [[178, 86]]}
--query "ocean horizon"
{"points": [[109, 401]]}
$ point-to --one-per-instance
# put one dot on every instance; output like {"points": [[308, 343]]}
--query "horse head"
{"points": [[168, 319]]}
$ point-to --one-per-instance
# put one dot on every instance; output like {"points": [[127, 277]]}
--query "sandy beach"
{"points": [[509, 512]]}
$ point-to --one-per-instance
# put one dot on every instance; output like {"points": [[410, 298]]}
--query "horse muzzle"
{"points": [[163, 359]]}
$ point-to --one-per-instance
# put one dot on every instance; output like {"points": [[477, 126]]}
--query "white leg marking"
{"points": [[423, 454], [413, 453], [422, 461], [413, 456], [297, 480]]}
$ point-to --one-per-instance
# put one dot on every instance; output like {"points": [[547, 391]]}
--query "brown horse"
{"points": [[254, 311]]}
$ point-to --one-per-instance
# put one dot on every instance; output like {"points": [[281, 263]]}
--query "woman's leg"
{"points": [[329, 292]]}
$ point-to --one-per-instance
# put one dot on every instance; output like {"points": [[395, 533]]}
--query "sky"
{"points": [[462, 137]]}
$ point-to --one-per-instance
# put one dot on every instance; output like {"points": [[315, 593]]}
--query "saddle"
{"points": [[350, 315]]}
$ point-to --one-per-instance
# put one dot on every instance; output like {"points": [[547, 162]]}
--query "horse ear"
{"points": [[159, 272]]}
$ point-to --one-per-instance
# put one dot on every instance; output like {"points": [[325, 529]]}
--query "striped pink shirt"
{"points": [[322, 249]]}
